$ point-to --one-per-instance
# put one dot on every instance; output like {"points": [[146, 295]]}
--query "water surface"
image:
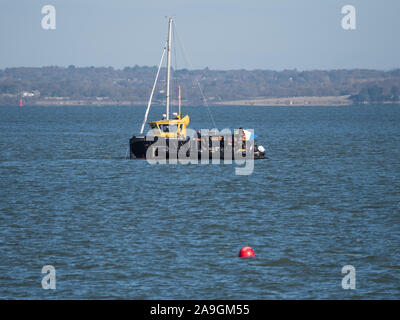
{"points": [[326, 196]]}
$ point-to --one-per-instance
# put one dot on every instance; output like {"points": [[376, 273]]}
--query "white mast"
{"points": [[168, 63]]}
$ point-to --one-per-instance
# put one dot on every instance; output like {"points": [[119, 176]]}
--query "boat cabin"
{"points": [[173, 128]]}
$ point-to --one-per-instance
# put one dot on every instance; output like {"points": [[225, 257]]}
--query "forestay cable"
{"points": [[152, 91]]}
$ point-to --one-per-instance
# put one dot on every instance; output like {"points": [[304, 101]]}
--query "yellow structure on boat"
{"points": [[174, 128]]}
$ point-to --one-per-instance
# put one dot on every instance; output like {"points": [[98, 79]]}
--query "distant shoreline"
{"points": [[260, 101], [256, 102], [292, 101], [54, 86]]}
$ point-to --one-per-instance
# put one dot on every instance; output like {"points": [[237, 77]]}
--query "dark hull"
{"points": [[139, 145]]}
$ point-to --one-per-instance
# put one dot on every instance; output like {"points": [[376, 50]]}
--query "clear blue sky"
{"points": [[219, 34]]}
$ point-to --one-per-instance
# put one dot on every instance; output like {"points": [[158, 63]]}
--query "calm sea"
{"points": [[326, 196]]}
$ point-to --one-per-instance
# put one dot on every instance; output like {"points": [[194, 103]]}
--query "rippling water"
{"points": [[326, 196]]}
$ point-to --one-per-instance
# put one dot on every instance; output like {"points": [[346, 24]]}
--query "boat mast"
{"points": [[168, 64]]}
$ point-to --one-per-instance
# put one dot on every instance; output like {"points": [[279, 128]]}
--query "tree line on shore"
{"points": [[134, 84], [372, 94]]}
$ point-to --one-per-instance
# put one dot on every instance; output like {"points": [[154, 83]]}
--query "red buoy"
{"points": [[246, 252], [20, 102]]}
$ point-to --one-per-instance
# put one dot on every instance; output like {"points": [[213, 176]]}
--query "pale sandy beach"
{"points": [[291, 101]]}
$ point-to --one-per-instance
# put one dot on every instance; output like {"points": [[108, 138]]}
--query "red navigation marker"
{"points": [[246, 252]]}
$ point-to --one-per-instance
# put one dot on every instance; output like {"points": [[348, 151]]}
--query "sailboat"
{"points": [[168, 137]]}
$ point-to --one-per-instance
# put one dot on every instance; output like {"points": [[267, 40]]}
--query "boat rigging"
{"points": [[169, 135]]}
